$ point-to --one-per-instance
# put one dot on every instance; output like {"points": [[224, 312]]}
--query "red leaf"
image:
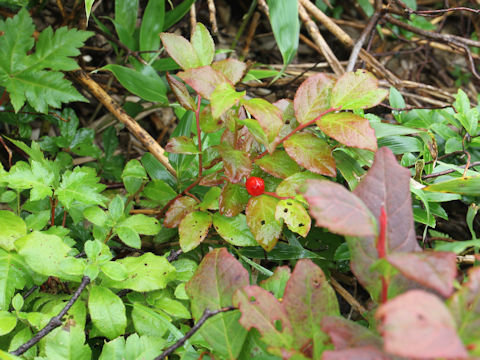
{"points": [[346, 334], [387, 184], [233, 199], [360, 353], [181, 93], [311, 152], [232, 69], [435, 270], [418, 325], [237, 163], [338, 210], [349, 129], [308, 298], [180, 50], [178, 210], [181, 145], [312, 97], [269, 116], [203, 80]]}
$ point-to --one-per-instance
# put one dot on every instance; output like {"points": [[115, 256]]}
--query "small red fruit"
{"points": [[255, 186]]}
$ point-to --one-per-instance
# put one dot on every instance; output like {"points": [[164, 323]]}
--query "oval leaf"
{"points": [[178, 210], [234, 230], [312, 97], [180, 50], [233, 199], [181, 93], [294, 215], [262, 222], [203, 80], [181, 145], [237, 163], [233, 69], [269, 116], [193, 229], [278, 164], [203, 45]]}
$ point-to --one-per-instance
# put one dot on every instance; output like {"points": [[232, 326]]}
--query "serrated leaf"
{"points": [[181, 93], [180, 208], [278, 164], [234, 230], [233, 69], [237, 164], [203, 45], [233, 199], [339, 210], [181, 50], [181, 145], [313, 97], [145, 273], [261, 220], [294, 215], [218, 276], [12, 227], [357, 90], [193, 229], [36, 176], [107, 312], [223, 98], [203, 80], [349, 129], [311, 152], [268, 116]]}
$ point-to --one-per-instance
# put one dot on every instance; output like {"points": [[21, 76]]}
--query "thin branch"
{"points": [[206, 315], [199, 135], [434, 175], [54, 322]]}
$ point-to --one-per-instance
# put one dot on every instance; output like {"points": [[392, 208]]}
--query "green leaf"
{"points": [[14, 274], [148, 321], [261, 220], [116, 208], [88, 8], [107, 312], [278, 164], [159, 191], [268, 116], [311, 152], [203, 45], [12, 227], [211, 199], [181, 50], [95, 215], [133, 176], [39, 177], [285, 26], [126, 12], [217, 278], [151, 27], [114, 270], [145, 273], [313, 97], [223, 98], [193, 229], [176, 14], [233, 199], [113, 350], [181, 92], [37, 247], [234, 230], [232, 69], [349, 129], [67, 342], [141, 224], [469, 185], [8, 322], [237, 164], [80, 185], [145, 83], [294, 215], [357, 90], [181, 145], [178, 210], [292, 184]]}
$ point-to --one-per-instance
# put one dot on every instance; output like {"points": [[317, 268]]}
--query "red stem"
{"points": [[299, 128], [53, 205], [382, 251], [199, 136], [64, 220]]}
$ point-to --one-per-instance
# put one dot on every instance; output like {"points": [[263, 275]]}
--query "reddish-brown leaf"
{"points": [[181, 93], [233, 199], [346, 334], [237, 163], [308, 298], [313, 97], [418, 325], [178, 210], [435, 270], [278, 164], [181, 145], [339, 210], [233, 69], [349, 129], [387, 184], [203, 80], [269, 116], [311, 152], [359, 353], [180, 50]]}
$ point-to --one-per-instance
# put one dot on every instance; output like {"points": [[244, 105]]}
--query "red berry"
{"points": [[255, 186]]}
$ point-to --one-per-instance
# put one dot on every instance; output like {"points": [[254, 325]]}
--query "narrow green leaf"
{"points": [[151, 27]]}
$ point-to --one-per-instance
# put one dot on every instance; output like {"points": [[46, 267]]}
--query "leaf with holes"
{"points": [[434, 270], [236, 163], [269, 116], [357, 90], [313, 97], [349, 129], [262, 222], [278, 164], [311, 152], [180, 208], [181, 145], [181, 93], [422, 321], [339, 210], [193, 229], [233, 69], [223, 98], [294, 215], [234, 230], [308, 298], [203, 80], [217, 278], [233, 199]]}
